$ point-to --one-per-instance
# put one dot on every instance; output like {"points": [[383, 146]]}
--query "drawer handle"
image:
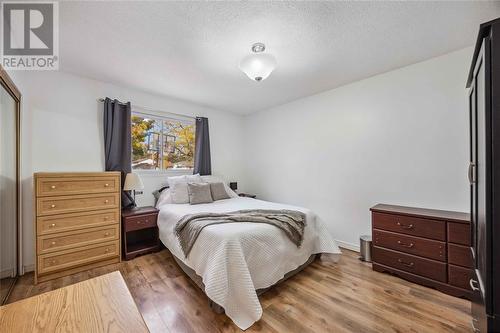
{"points": [[106, 250], [106, 218], [406, 245], [106, 234], [470, 173], [52, 225], [53, 187], [407, 264], [474, 328], [147, 221], [53, 243], [106, 185], [409, 226], [472, 284], [52, 206], [139, 222], [53, 262], [106, 201]]}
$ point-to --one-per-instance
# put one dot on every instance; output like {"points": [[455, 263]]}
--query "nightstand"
{"points": [[246, 195], [140, 231]]}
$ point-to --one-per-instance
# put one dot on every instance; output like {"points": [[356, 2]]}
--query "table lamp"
{"points": [[133, 183]]}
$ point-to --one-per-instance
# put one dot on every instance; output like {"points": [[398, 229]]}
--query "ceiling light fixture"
{"points": [[259, 65]]}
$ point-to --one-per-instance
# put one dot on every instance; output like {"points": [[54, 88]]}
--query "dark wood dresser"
{"points": [[425, 246], [140, 231]]}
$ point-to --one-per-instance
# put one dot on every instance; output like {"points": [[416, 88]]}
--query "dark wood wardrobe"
{"points": [[484, 177]]}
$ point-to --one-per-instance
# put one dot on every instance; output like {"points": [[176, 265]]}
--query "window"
{"points": [[160, 143]]}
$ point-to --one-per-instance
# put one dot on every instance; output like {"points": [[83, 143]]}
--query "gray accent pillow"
{"points": [[218, 191], [199, 193]]}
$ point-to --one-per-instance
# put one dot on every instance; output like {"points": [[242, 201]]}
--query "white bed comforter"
{"points": [[235, 259]]}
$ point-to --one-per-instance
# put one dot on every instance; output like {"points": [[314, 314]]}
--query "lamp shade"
{"points": [[133, 182], [258, 66]]}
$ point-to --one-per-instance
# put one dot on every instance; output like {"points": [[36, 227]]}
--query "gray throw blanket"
{"points": [[291, 222]]}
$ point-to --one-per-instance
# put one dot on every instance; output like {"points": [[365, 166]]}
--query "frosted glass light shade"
{"points": [[133, 182], [258, 66]]}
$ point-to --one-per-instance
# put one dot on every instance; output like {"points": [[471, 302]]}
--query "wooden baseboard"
{"points": [[346, 245], [6, 273], [443, 287], [29, 268]]}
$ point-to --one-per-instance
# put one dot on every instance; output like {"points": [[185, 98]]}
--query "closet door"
{"points": [[479, 180], [9, 185]]}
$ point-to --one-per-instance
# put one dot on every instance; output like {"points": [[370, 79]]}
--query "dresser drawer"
{"points": [[459, 255], [424, 267], [56, 261], [409, 244], [414, 226], [52, 186], [76, 203], [459, 233], [460, 276], [67, 222], [140, 222], [72, 239]]}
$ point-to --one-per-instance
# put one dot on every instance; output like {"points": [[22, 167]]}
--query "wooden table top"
{"points": [[434, 214], [139, 211], [101, 304]]}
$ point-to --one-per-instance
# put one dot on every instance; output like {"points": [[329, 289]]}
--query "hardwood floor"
{"points": [[326, 297]]}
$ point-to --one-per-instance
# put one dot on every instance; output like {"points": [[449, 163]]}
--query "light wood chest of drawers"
{"points": [[77, 222]]}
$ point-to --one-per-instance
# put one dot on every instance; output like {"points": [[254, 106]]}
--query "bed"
{"points": [[235, 262]]}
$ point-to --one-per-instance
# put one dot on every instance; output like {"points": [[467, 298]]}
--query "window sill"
{"points": [[163, 173]]}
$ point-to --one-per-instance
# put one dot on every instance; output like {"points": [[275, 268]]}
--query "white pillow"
{"points": [[185, 179], [230, 192], [213, 179], [217, 179], [165, 198], [179, 188], [194, 178], [172, 180]]}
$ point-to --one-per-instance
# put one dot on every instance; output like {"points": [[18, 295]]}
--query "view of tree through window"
{"points": [[162, 143]]}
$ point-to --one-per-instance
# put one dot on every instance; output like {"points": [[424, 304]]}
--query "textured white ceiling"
{"points": [[191, 50]]}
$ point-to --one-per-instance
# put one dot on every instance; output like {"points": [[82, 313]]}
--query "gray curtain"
{"points": [[202, 163], [117, 141]]}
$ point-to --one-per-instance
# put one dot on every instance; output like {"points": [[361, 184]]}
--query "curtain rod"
{"points": [[151, 110]]}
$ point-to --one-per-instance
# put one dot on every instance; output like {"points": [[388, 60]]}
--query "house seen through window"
{"points": [[160, 143]]}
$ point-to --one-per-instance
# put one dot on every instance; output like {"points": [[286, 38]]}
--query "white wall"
{"points": [[62, 131], [399, 138]]}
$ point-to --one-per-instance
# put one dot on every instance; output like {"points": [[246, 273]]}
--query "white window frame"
{"points": [[163, 172]]}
